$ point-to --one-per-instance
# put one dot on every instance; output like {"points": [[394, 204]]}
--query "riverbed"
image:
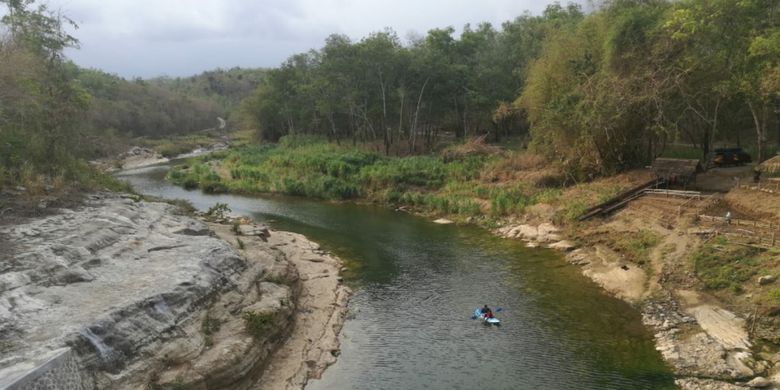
{"points": [[416, 285]]}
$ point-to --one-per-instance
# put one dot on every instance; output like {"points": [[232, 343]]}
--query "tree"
{"points": [[40, 122]]}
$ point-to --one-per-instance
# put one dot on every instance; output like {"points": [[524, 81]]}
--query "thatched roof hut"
{"points": [[676, 169], [771, 166]]}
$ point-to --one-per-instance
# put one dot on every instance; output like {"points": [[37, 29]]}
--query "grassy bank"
{"points": [[467, 180], [491, 186]]}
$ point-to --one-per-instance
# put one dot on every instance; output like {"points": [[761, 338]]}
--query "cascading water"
{"points": [[104, 351]]}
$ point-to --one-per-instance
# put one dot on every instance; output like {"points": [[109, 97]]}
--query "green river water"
{"points": [[417, 284]]}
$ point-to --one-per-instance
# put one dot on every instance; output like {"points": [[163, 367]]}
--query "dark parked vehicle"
{"points": [[730, 156]]}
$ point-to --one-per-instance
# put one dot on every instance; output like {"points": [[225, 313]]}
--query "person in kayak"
{"points": [[486, 312]]}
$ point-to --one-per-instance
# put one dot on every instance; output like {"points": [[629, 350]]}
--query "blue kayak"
{"points": [[478, 314]]}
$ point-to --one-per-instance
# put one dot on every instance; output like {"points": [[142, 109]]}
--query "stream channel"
{"points": [[416, 285]]}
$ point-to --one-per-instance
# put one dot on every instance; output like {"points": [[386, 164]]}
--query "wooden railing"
{"points": [[771, 186], [768, 237]]}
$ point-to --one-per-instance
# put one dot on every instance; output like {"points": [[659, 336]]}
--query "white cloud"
{"points": [[181, 37]]}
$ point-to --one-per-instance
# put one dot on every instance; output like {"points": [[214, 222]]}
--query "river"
{"points": [[416, 285]]}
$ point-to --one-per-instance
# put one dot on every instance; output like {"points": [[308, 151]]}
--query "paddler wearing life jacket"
{"points": [[486, 312]]}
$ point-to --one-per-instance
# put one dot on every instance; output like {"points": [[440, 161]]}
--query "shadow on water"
{"points": [[417, 284]]}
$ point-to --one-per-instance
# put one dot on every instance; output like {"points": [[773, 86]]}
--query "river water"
{"points": [[416, 285]]}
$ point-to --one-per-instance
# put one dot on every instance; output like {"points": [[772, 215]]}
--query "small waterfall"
{"points": [[104, 351]]}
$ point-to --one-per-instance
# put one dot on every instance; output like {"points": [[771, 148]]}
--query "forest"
{"points": [[596, 93], [55, 115], [599, 92]]}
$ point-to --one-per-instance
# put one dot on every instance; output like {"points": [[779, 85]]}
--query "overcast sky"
{"points": [[150, 38]]}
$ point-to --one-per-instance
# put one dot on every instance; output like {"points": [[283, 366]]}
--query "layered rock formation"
{"points": [[142, 297]]}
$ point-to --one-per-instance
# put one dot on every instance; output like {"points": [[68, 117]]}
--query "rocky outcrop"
{"points": [[545, 233], [138, 157], [707, 346], [144, 297]]}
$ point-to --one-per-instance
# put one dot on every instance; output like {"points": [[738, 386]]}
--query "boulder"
{"points": [[254, 230], [547, 228], [563, 245], [759, 382], [766, 279], [526, 232], [116, 281]]}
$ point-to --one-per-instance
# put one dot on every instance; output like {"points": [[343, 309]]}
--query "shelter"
{"points": [[677, 170], [770, 167]]}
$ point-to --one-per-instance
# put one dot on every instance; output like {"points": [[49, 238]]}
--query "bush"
{"points": [[721, 265], [775, 295], [218, 211], [258, 324], [636, 246]]}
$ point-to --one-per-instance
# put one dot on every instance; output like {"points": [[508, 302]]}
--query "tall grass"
{"points": [[305, 166]]}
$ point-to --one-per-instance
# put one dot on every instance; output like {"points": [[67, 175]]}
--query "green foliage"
{"points": [[636, 246], [258, 324], [139, 108], [775, 295], [721, 265], [179, 384], [218, 211], [240, 243], [632, 77], [224, 87], [40, 105], [378, 89], [510, 200]]}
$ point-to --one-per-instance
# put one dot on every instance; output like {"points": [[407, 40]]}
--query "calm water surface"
{"points": [[416, 285]]}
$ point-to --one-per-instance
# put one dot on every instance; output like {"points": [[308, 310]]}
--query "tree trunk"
{"points": [[461, 133], [333, 128], [401, 117], [412, 146], [385, 128], [465, 114], [758, 121]]}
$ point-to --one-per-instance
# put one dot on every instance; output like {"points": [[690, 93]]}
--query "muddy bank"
{"points": [[145, 297]]}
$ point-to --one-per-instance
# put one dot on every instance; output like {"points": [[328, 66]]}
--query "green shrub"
{"points": [[257, 324], [775, 295], [721, 265], [572, 210], [636, 246], [218, 211]]}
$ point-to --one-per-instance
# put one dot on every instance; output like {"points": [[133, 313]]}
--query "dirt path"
{"points": [[722, 325]]}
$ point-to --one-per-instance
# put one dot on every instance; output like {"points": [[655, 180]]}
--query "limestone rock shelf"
{"points": [[140, 296]]}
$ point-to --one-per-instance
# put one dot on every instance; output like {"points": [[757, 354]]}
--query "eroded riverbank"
{"points": [[561, 330], [709, 344], [144, 296]]}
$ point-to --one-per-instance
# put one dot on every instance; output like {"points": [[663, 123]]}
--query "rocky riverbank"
{"points": [[707, 346], [146, 297]]}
